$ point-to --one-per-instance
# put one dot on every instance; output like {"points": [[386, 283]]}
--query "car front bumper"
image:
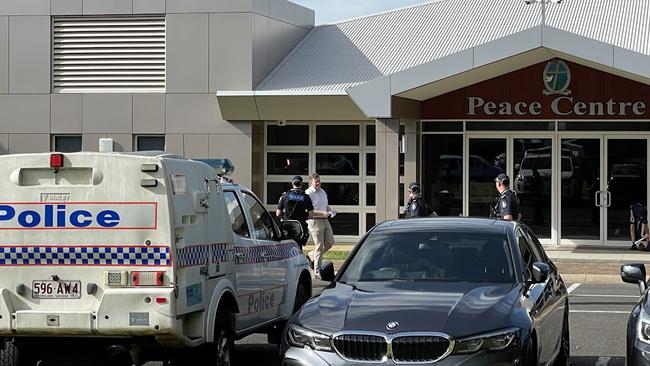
{"points": [[639, 354], [307, 357]]}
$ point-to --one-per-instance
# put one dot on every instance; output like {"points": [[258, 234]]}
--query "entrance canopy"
{"points": [[385, 65]]}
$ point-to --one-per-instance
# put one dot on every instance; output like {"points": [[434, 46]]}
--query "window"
{"points": [[345, 223], [337, 135], [291, 135], [237, 218], [337, 163], [263, 224], [150, 143], [287, 163], [346, 194], [103, 54], [67, 143], [528, 254]]}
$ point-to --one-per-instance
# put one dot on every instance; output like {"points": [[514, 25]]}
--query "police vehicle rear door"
{"points": [[248, 269], [273, 254]]}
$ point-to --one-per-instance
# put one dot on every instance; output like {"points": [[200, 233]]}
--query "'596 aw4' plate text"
{"points": [[49, 289]]}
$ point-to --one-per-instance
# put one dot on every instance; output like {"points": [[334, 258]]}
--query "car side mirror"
{"points": [[634, 273], [541, 272], [517, 166], [291, 229], [327, 272]]}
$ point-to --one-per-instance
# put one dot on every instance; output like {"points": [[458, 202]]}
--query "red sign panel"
{"points": [[552, 90]]}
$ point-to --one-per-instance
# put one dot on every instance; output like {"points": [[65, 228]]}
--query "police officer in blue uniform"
{"points": [[417, 206], [507, 205], [296, 205]]}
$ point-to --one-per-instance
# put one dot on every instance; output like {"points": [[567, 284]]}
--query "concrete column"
{"points": [[387, 187], [258, 159], [412, 156]]}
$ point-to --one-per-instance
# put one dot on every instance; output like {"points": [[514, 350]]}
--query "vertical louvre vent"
{"points": [[108, 54]]}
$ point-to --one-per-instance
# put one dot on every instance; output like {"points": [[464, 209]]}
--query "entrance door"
{"points": [[581, 190], [600, 178], [626, 184]]}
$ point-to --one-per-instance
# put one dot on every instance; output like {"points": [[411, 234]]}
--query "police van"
{"points": [[130, 257]]}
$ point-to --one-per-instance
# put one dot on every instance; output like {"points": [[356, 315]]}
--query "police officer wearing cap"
{"points": [[507, 205], [296, 205], [417, 206]]}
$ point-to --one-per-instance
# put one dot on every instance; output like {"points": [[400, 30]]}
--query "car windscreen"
{"points": [[432, 256]]}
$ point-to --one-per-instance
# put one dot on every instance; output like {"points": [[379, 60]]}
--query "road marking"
{"points": [[592, 295], [600, 311], [573, 287], [602, 361]]}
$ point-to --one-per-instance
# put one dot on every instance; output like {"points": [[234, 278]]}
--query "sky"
{"points": [[328, 11]]}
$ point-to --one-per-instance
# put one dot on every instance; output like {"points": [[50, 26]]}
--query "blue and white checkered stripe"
{"points": [[273, 253], [199, 255], [85, 256]]}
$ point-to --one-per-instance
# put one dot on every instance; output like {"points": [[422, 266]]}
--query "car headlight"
{"points": [[494, 341], [300, 337], [643, 327]]}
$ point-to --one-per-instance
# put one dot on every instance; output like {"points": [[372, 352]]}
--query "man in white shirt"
{"points": [[319, 228]]}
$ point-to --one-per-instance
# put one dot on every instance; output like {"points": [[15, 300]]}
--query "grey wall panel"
{"points": [[148, 6], [66, 113], [29, 143], [195, 146], [275, 9], [29, 54], [25, 113], [231, 51], [148, 113], [4, 143], [174, 144], [67, 7], [4, 54], [107, 7], [276, 53], [90, 141], [261, 7], [107, 113], [122, 141], [192, 113], [24, 7], [237, 148], [288, 12], [261, 66], [209, 6], [187, 53]]}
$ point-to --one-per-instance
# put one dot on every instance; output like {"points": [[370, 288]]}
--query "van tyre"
{"points": [[222, 350], [15, 354], [302, 295]]}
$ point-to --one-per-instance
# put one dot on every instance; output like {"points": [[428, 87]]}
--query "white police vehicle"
{"points": [[138, 256]]}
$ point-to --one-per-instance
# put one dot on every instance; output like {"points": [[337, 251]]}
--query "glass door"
{"points": [[582, 198], [626, 184], [485, 161]]}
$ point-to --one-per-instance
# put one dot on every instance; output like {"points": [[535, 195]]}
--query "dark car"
{"points": [[443, 291], [638, 324]]}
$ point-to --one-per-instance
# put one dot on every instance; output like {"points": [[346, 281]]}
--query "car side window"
{"points": [[263, 224], [237, 218], [528, 254], [537, 246]]}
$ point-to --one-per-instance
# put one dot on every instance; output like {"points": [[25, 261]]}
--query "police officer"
{"points": [[417, 206], [507, 206], [296, 205]]}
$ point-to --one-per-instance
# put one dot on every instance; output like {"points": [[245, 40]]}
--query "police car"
{"points": [[129, 257]]}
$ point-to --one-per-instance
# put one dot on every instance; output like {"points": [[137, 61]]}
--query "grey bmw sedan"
{"points": [[443, 291]]}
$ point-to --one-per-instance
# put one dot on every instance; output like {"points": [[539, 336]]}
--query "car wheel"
{"points": [[13, 353], [564, 357]]}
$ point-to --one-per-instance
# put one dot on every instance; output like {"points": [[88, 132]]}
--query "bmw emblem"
{"points": [[392, 325]]}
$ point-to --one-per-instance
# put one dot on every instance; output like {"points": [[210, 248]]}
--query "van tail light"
{"points": [[56, 161], [140, 278]]}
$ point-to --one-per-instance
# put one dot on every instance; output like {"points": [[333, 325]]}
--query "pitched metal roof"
{"points": [[334, 57]]}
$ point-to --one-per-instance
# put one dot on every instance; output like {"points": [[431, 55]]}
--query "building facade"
{"points": [[449, 93]]}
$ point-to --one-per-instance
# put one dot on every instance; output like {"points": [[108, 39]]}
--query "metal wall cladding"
{"points": [[108, 54], [337, 56]]}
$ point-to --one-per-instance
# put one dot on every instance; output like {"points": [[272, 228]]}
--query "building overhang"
{"points": [[398, 95]]}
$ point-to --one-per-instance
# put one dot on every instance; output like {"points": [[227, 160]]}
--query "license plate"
{"points": [[48, 289]]}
